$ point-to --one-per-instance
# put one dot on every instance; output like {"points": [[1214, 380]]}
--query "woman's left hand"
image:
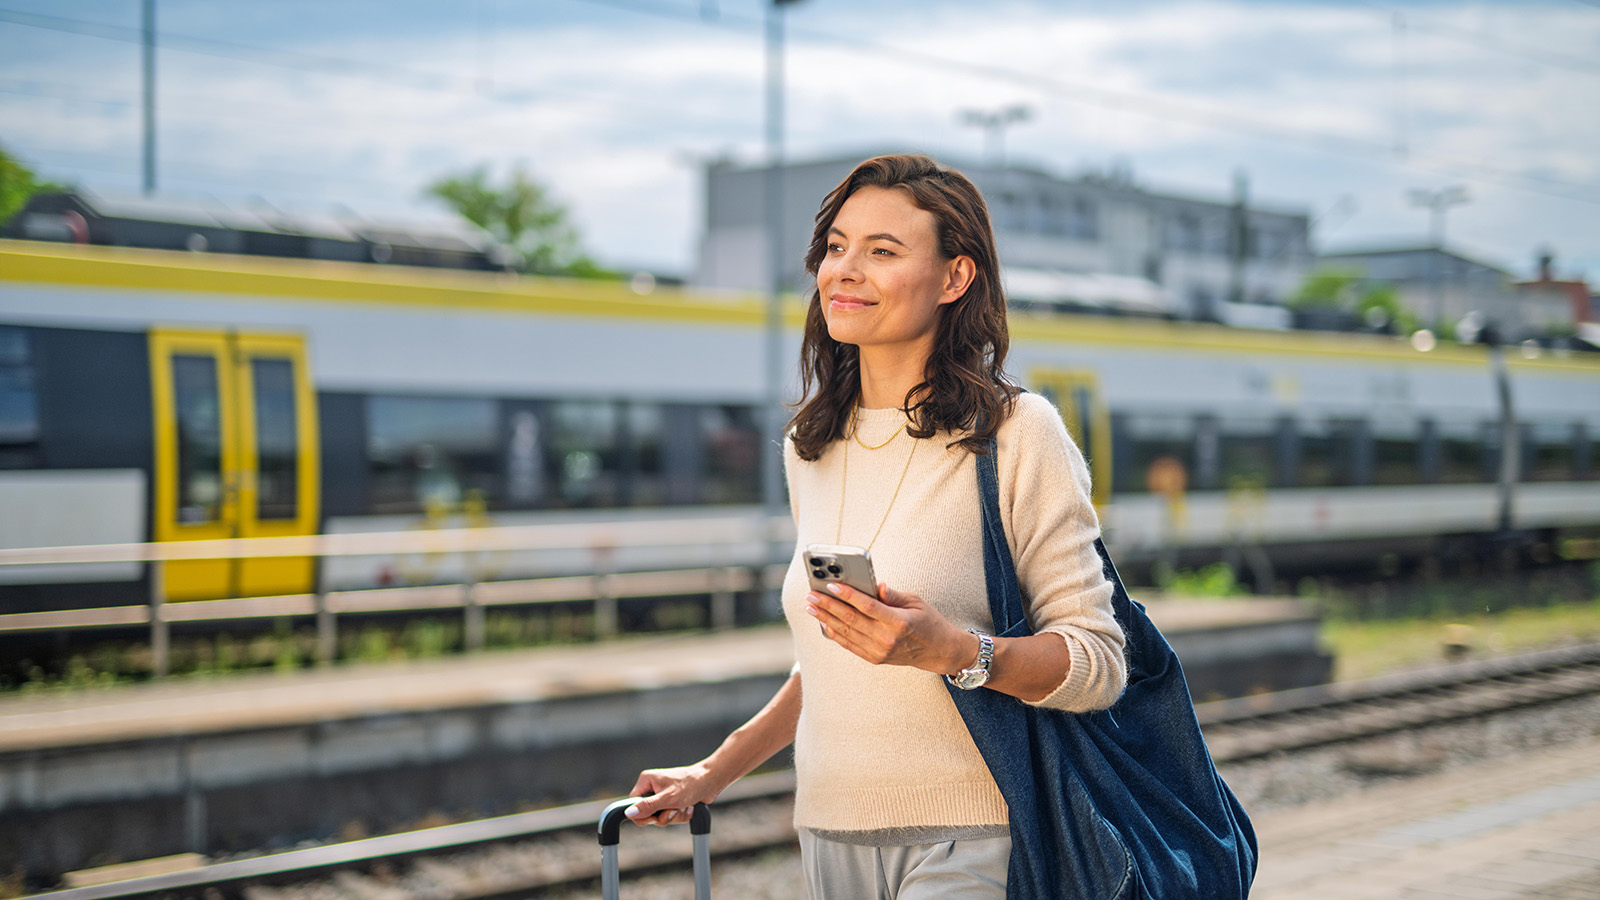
{"points": [[895, 628]]}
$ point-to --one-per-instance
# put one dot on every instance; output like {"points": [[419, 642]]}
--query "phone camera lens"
{"points": [[816, 563], [833, 568], [819, 573]]}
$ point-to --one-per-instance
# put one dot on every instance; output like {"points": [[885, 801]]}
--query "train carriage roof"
{"points": [[319, 281]]}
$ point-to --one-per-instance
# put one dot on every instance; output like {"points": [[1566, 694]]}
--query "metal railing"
{"points": [[603, 583]]}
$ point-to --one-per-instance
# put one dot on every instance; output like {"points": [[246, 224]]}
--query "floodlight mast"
{"points": [[1438, 203], [994, 123]]}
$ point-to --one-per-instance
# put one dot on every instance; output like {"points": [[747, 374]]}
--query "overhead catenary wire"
{"points": [[1375, 148], [1163, 108], [300, 61], [1484, 40]]}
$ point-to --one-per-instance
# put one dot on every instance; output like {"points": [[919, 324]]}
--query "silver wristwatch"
{"points": [[977, 676]]}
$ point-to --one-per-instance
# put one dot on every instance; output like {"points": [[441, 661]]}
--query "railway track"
{"points": [[524, 854], [1306, 718]]}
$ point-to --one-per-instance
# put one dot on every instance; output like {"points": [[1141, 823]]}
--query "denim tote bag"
{"points": [[1121, 803]]}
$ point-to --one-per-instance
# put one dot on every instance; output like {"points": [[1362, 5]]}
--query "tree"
{"points": [[1377, 306], [17, 184], [522, 216], [1326, 288]]}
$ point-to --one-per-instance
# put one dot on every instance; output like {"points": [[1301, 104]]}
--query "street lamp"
{"points": [[148, 56], [1437, 203], [772, 500], [994, 124]]}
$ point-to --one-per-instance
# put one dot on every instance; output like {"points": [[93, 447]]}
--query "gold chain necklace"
{"points": [[844, 479], [855, 414]]}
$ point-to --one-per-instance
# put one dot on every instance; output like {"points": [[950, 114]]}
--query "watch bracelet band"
{"points": [[980, 666]]}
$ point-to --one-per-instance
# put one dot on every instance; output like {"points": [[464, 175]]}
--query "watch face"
{"points": [[969, 679]]}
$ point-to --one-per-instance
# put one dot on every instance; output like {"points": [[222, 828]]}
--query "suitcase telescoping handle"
{"points": [[611, 834]]}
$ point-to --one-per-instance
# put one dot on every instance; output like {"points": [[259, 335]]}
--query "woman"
{"points": [[902, 364]]}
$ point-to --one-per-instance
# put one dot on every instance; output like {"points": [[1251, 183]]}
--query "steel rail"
{"points": [[297, 865], [1307, 718]]}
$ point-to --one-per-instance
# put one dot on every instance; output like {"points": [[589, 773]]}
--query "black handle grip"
{"points": [[611, 820]]}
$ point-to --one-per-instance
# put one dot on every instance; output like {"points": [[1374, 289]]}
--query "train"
{"points": [[160, 395]]}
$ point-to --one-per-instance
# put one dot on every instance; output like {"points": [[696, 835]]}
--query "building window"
{"points": [[1009, 213], [1052, 215], [1184, 233], [1083, 220]]}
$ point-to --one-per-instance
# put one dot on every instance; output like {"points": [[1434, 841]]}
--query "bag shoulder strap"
{"points": [[1006, 607]]}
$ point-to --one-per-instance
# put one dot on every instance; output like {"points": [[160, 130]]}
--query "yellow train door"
{"points": [[1076, 393], [235, 456]]}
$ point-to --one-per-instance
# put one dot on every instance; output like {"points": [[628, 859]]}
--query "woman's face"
{"points": [[882, 279]]}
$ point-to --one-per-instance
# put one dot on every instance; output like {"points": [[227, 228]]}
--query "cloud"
{"points": [[608, 105]]}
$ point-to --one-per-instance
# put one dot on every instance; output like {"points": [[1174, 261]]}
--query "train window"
{"points": [[197, 405], [524, 452], [733, 454], [19, 403], [277, 444], [1247, 453], [1550, 451], [1583, 462], [585, 459], [1083, 222], [1332, 453], [1396, 453], [647, 481], [431, 454], [1153, 452], [1465, 452]]}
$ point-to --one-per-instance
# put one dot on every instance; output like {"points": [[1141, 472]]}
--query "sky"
{"points": [[1335, 109]]}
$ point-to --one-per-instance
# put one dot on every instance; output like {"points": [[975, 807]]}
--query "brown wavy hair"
{"points": [[964, 387]]}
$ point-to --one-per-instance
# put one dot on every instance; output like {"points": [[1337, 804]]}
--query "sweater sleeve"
{"points": [[1044, 492]]}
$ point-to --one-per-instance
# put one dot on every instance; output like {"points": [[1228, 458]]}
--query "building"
{"points": [[1548, 290], [1096, 241], [1444, 287]]}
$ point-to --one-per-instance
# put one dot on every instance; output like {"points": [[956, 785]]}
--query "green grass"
{"points": [[1363, 649]]}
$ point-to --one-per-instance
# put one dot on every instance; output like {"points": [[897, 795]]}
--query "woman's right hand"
{"points": [[668, 796]]}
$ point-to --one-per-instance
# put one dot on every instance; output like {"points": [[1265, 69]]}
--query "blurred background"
{"points": [[486, 312]]}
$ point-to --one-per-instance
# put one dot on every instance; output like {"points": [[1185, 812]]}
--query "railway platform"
{"points": [[1245, 636], [1525, 827], [231, 764]]}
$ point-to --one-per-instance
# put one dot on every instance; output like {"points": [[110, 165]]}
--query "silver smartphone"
{"points": [[830, 563]]}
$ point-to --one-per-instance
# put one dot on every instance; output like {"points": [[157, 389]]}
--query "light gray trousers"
{"points": [[951, 870]]}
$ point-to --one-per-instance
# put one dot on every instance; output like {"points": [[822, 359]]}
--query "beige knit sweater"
{"points": [[882, 747]]}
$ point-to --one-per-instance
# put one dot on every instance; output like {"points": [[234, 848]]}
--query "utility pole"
{"points": [[772, 495], [1438, 203], [994, 124], [1238, 242], [149, 96]]}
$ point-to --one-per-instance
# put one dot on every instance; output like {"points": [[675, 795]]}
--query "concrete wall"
{"points": [[69, 808]]}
